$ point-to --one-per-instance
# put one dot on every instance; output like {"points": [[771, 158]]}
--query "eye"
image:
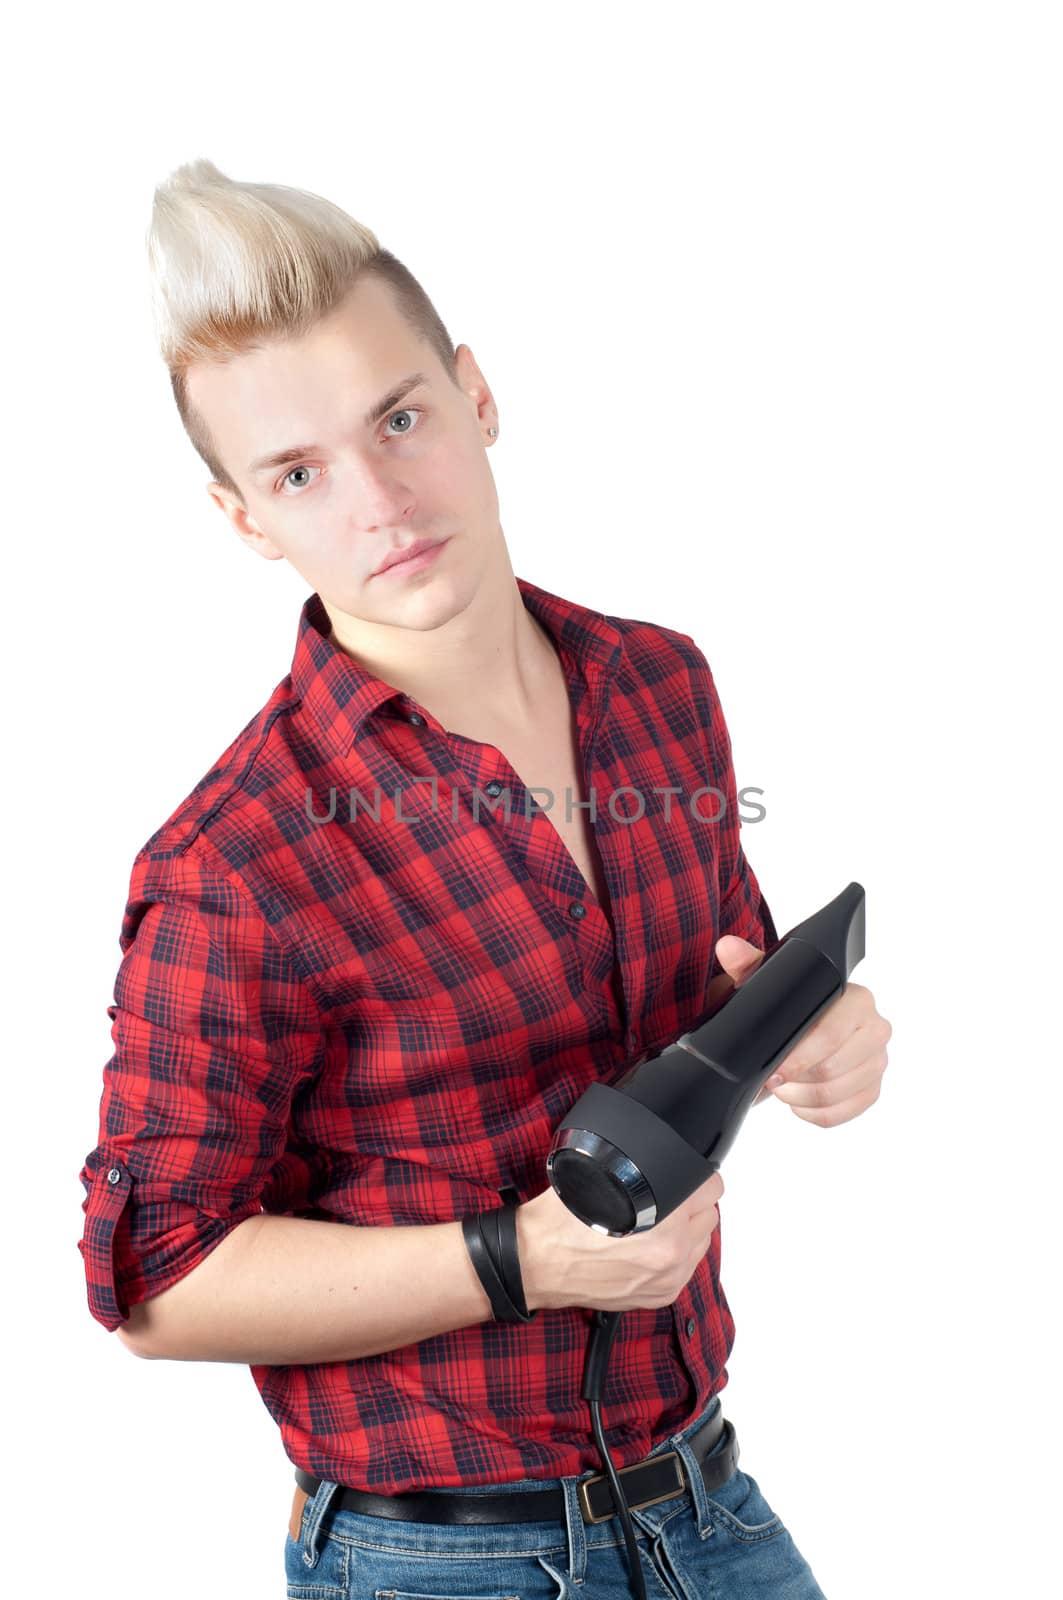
{"points": [[407, 411], [291, 474]]}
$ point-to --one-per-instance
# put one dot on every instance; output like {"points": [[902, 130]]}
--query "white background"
{"points": [[769, 299]]}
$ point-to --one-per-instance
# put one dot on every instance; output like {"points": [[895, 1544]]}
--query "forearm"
{"points": [[283, 1291]]}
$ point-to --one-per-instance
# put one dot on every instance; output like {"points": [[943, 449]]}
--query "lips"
{"points": [[406, 553]]}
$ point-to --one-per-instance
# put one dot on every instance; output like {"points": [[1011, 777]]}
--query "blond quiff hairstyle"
{"points": [[236, 264]]}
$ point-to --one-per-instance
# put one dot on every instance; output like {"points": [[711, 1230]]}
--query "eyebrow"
{"points": [[280, 458]]}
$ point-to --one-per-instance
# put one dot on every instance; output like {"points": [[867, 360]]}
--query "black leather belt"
{"points": [[645, 1483]]}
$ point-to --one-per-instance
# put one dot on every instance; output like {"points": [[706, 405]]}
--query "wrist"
{"points": [[530, 1257]]}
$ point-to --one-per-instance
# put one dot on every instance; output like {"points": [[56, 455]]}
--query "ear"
{"points": [[244, 523], [476, 387]]}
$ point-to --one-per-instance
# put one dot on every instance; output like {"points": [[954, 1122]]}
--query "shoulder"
{"points": [[668, 669], [656, 652], [244, 807]]}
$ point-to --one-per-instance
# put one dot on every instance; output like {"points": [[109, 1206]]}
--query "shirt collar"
{"points": [[338, 694]]}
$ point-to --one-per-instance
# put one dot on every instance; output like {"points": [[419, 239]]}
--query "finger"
{"points": [[720, 987], [705, 1197], [827, 1091], [844, 1111], [842, 1022], [861, 1044]]}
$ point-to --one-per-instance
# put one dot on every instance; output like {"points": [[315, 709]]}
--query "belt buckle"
{"points": [[637, 1505]]}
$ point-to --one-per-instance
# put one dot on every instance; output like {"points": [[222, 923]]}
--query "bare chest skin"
{"points": [[548, 757], [553, 763]]}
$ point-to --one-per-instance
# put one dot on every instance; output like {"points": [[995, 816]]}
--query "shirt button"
{"points": [[691, 1325], [577, 909], [494, 788], [115, 1175], [417, 719]]}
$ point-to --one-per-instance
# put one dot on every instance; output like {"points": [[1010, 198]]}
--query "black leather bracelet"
{"points": [[488, 1268], [507, 1229], [491, 1240]]}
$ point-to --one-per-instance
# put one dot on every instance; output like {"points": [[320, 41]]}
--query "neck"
{"points": [[492, 662]]}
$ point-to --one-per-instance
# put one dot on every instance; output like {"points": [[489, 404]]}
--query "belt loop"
{"points": [[577, 1532], [698, 1492], [318, 1504]]}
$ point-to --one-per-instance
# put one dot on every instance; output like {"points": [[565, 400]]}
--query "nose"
{"points": [[380, 501]]}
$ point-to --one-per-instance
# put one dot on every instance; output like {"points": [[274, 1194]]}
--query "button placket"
{"points": [[627, 869]]}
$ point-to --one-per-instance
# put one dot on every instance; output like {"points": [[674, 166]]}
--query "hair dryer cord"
{"points": [[599, 1347]]}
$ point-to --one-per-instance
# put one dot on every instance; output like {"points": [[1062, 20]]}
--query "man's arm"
{"points": [[743, 910], [215, 1033], [283, 1291]]}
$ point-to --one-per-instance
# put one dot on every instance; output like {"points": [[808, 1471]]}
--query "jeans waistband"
{"points": [[583, 1515]]}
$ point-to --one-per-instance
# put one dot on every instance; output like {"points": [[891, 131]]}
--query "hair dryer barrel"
{"points": [[627, 1155]]}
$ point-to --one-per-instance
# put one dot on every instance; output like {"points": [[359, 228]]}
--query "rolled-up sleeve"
{"points": [[743, 909], [214, 1032]]}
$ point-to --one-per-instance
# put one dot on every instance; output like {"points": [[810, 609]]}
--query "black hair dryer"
{"points": [[627, 1154]]}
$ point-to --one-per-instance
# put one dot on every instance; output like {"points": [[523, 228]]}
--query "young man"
{"points": [[385, 943]]}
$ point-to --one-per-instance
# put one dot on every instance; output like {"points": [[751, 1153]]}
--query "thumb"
{"points": [[738, 958]]}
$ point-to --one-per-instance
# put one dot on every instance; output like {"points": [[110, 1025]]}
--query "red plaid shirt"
{"points": [[383, 1020]]}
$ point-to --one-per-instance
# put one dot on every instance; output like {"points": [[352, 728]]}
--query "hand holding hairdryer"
{"points": [[565, 1263], [627, 1155]]}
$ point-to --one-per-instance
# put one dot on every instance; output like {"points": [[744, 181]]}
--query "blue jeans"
{"points": [[729, 1545]]}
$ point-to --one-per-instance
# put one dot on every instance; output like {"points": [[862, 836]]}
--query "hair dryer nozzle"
{"points": [[837, 931]]}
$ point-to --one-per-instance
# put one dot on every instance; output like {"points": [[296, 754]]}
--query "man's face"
{"points": [[335, 510]]}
